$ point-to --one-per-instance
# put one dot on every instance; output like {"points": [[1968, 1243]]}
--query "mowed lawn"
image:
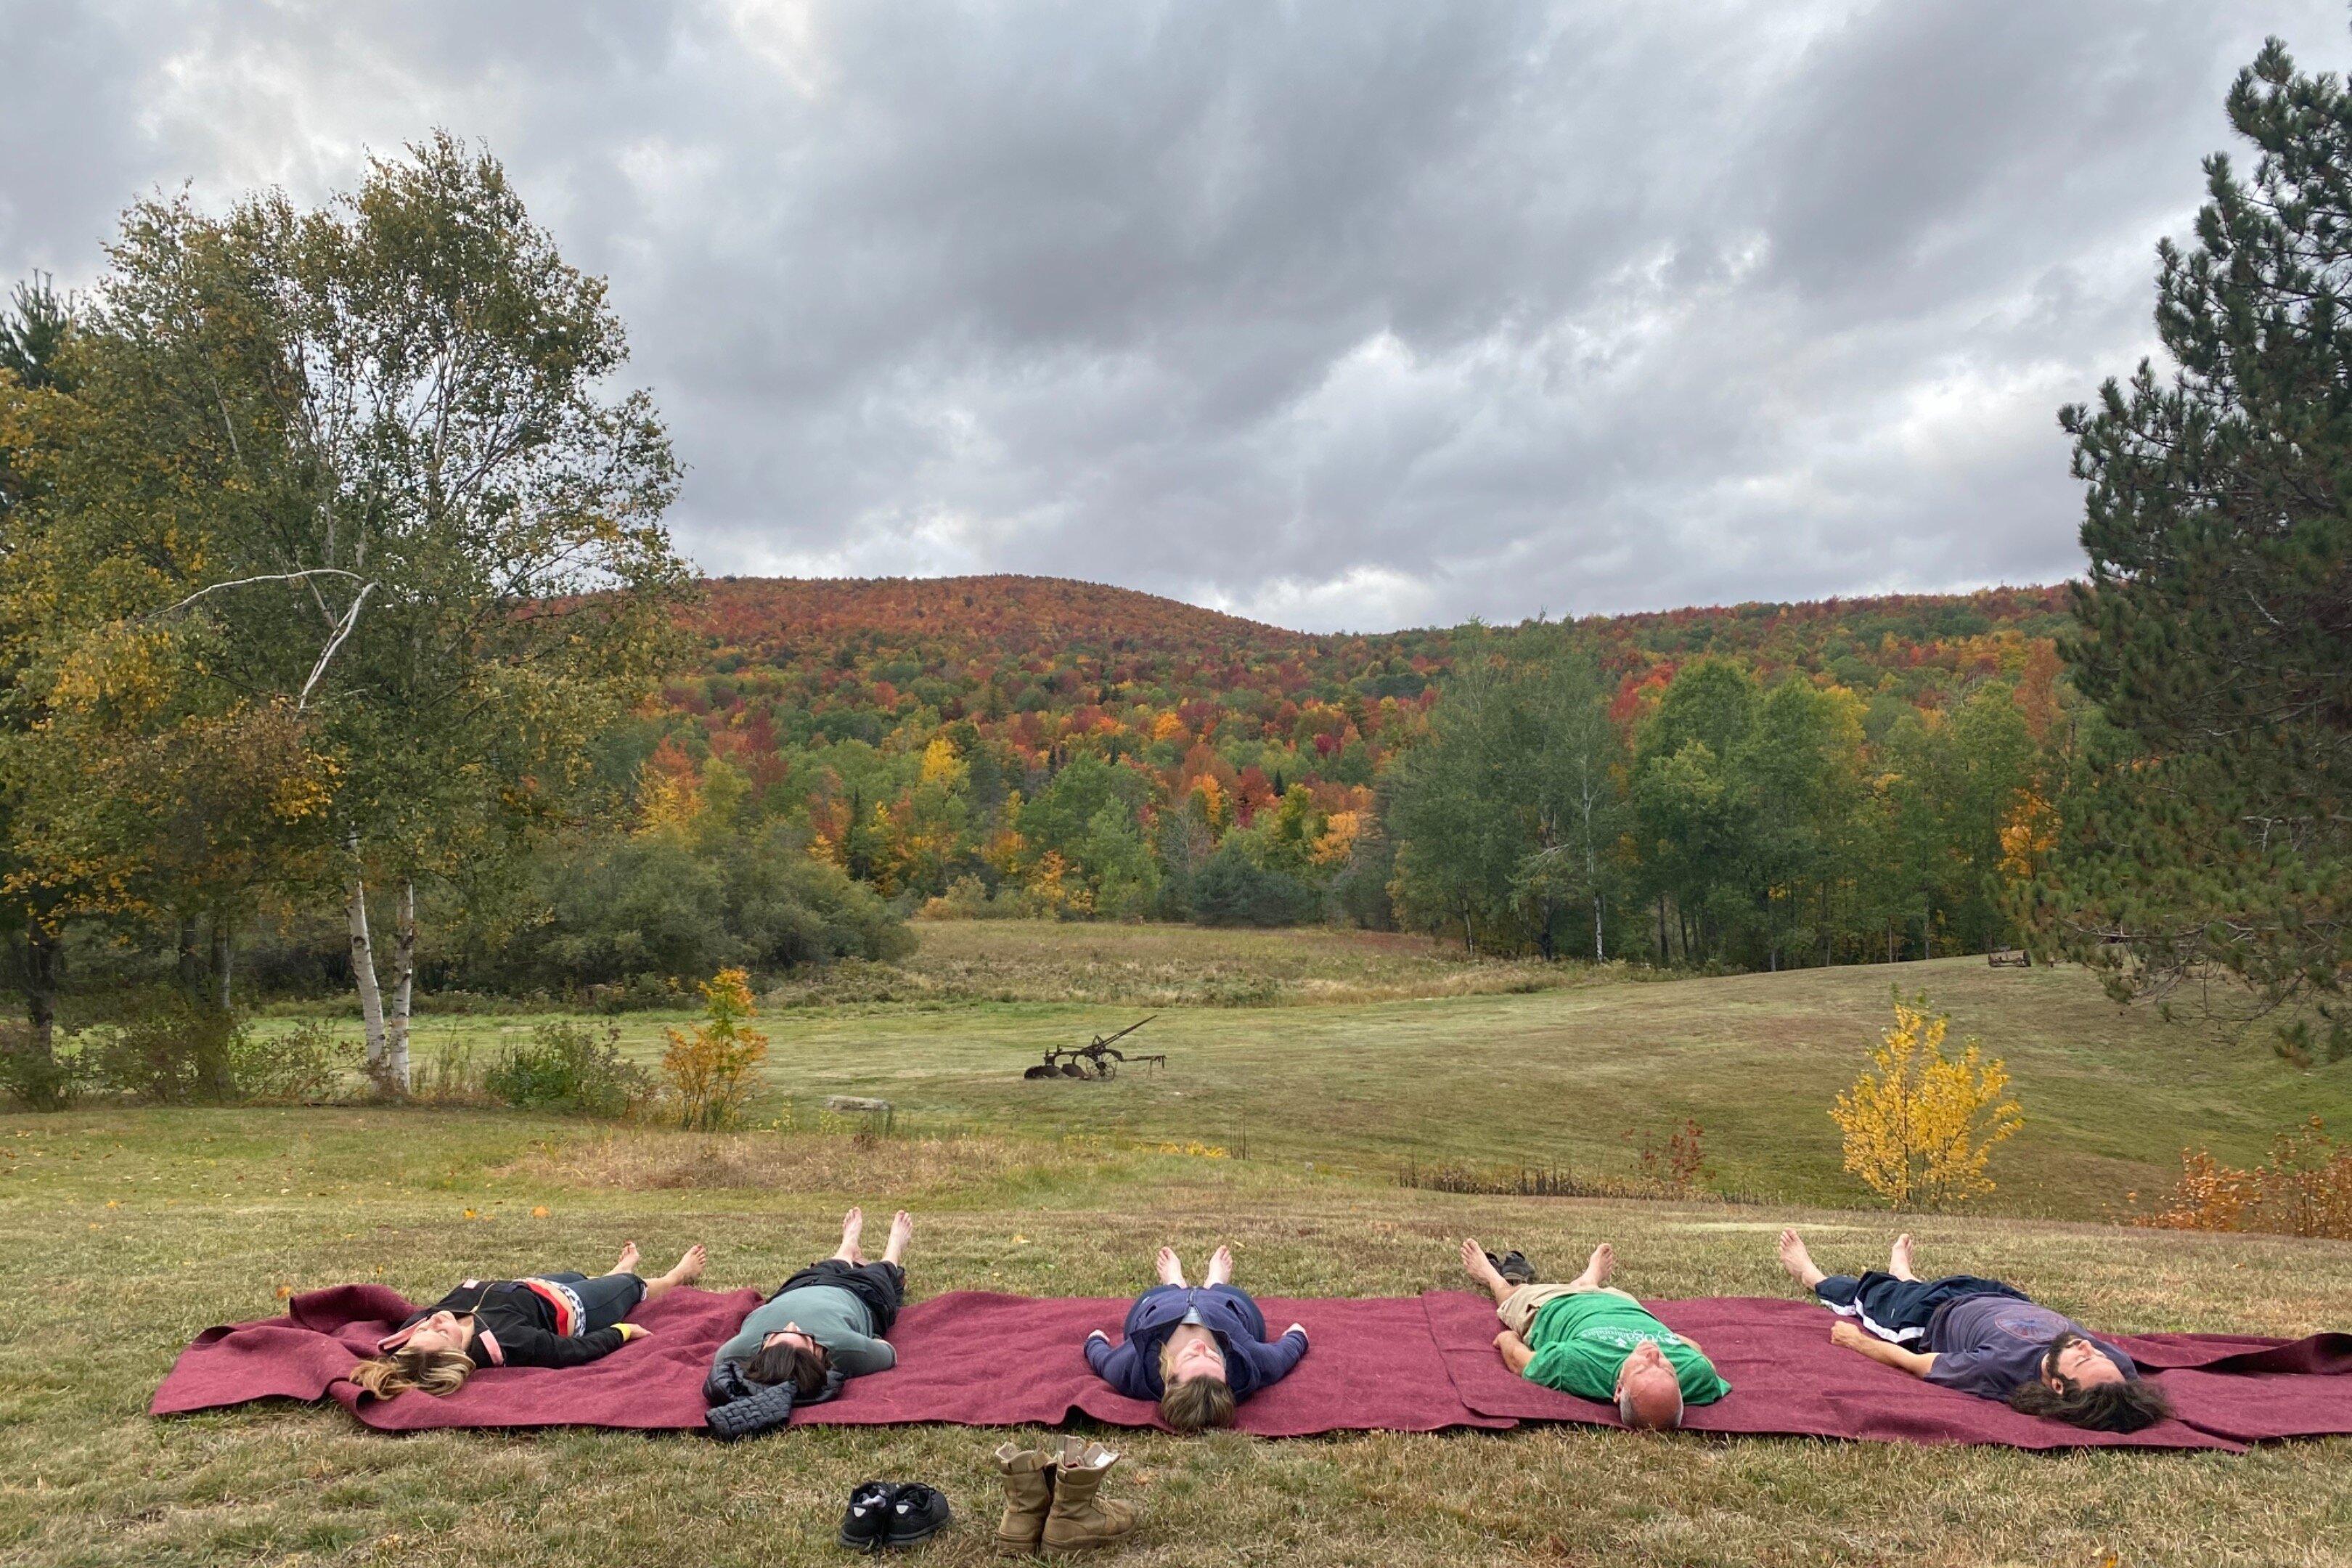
{"points": [[1577, 1076], [125, 1232]]}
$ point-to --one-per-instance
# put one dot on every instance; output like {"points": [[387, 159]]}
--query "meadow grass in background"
{"points": [[1576, 1075]]}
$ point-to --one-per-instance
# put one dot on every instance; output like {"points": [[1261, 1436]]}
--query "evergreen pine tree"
{"points": [[2216, 629]]}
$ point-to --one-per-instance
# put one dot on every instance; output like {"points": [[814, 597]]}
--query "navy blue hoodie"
{"points": [[1226, 1311]]}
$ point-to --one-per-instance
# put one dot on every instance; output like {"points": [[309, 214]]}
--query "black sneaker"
{"points": [[1514, 1267], [866, 1521], [917, 1513]]}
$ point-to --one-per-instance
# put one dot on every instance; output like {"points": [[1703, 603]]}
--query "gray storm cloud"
{"points": [[1334, 314]]}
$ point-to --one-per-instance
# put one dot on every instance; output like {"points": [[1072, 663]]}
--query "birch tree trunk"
{"points": [[404, 979], [223, 960], [1593, 876], [379, 1064]]}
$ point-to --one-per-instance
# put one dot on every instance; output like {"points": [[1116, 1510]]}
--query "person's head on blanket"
{"points": [[831, 1317], [1649, 1391]]}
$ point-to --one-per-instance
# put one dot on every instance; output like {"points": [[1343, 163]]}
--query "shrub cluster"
{"points": [[570, 1067], [169, 1050], [2304, 1190]]}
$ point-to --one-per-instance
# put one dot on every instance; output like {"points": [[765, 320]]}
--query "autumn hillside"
{"points": [[843, 658]]}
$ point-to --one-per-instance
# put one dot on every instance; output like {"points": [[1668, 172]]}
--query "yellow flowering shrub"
{"points": [[1920, 1123]]}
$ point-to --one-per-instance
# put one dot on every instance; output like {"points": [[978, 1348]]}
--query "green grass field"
{"points": [[126, 1231], [1423, 1058]]}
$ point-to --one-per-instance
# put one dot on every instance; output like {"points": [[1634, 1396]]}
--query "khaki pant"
{"points": [[1519, 1308]]}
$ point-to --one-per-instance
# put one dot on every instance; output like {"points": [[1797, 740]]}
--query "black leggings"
{"points": [[1901, 1310], [881, 1286]]}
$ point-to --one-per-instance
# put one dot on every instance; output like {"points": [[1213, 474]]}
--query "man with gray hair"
{"points": [[1590, 1339]]}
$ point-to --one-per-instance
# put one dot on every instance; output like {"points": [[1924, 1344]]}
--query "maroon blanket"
{"points": [[651, 1383], [1786, 1377], [970, 1357], [985, 1360], [1412, 1365]]}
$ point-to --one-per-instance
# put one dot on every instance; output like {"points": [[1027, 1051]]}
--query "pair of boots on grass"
{"points": [[1052, 1501]]}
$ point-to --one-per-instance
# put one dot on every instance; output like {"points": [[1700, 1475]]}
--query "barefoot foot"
{"points": [[1898, 1258], [1221, 1266], [853, 1228], [1597, 1266], [628, 1262], [1798, 1261], [902, 1231], [1171, 1267], [1474, 1262], [689, 1268]]}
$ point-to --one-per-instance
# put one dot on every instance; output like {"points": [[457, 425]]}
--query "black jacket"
{"points": [[742, 1408], [514, 1325]]}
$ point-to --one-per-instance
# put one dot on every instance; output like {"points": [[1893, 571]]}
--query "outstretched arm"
{"points": [[1277, 1359], [1516, 1353], [533, 1347], [1879, 1351], [1120, 1366]]}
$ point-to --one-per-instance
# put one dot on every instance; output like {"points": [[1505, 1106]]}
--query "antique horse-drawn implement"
{"points": [[1100, 1059]]}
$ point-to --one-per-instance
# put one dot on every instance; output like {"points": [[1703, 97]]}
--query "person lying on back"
{"points": [[1589, 1338], [832, 1315], [1196, 1352], [1981, 1337], [549, 1319]]}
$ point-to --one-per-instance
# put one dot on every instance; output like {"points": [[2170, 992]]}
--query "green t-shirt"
{"points": [[1582, 1341]]}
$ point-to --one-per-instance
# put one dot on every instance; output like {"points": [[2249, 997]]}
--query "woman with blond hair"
{"points": [[549, 1319], [1197, 1353]]}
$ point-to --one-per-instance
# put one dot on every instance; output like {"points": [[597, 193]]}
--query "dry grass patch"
{"points": [[1170, 966], [638, 1161]]}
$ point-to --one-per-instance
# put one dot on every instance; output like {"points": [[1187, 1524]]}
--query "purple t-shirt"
{"points": [[1988, 1345]]}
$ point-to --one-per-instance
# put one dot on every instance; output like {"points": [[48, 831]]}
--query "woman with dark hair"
{"points": [[1981, 1337], [549, 1319], [832, 1315], [1197, 1353]]}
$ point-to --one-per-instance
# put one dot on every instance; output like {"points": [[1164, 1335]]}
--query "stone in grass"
{"points": [[856, 1102]]}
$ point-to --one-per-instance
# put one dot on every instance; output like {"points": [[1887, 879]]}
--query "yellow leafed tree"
{"points": [[1921, 1124], [942, 766], [713, 1069]]}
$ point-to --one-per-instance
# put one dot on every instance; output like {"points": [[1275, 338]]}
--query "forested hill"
{"points": [[1088, 746], [854, 658]]}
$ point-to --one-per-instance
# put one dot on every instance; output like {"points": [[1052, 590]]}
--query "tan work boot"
{"points": [[1028, 1496], [1080, 1520]]}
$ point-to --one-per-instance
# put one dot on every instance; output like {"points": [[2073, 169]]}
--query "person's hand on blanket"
{"points": [[633, 1332], [1298, 1328]]}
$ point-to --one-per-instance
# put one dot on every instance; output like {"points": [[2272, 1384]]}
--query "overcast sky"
{"points": [[1340, 315]]}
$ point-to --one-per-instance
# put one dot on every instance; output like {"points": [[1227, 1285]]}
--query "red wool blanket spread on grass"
{"points": [[1392, 1363]]}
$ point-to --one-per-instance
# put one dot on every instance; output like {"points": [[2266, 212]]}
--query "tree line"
{"points": [[1733, 824]]}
